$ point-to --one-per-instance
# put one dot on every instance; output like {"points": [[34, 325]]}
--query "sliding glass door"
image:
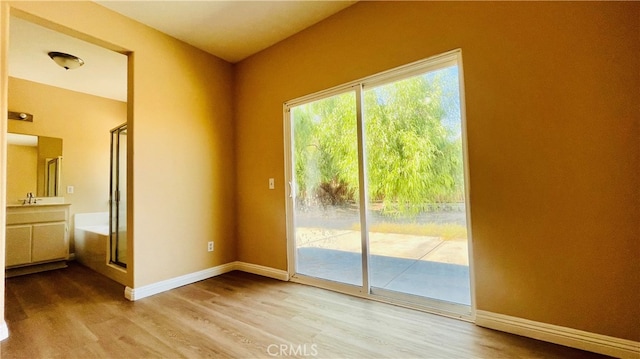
{"points": [[377, 173], [415, 175], [325, 145]]}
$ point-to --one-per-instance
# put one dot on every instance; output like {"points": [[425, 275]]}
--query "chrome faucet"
{"points": [[31, 199]]}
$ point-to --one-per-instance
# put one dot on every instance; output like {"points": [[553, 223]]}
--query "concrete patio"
{"points": [[418, 265]]}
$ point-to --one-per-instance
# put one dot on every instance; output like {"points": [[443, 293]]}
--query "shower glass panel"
{"points": [[118, 197]]}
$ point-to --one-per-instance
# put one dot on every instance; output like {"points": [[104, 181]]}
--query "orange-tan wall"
{"points": [[181, 151], [83, 123], [552, 93]]}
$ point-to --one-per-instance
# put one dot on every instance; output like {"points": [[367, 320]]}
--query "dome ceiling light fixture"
{"points": [[65, 60]]}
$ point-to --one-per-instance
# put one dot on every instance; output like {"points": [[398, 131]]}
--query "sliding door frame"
{"points": [[358, 86]]}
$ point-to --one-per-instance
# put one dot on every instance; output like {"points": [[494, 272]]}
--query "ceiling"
{"points": [[231, 30], [104, 73]]}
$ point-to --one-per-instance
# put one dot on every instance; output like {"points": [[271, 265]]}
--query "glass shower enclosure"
{"points": [[118, 197]]}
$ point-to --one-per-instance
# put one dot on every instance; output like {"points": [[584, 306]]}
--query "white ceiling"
{"points": [[231, 30], [104, 73]]}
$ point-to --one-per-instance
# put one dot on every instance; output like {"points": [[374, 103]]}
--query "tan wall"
{"points": [[21, 171], [181, 189], [83, 123], [552, 95]]}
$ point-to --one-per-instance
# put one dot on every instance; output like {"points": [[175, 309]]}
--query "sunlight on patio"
{"points": [[426, 248], [424, 266]]}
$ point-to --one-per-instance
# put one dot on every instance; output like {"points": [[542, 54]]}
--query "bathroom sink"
{"points": [[37, 201]]}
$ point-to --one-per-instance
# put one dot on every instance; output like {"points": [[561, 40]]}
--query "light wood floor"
{"points": [[76, 313]]}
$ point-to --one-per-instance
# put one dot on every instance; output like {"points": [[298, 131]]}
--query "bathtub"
{"points": [[91, 234]]}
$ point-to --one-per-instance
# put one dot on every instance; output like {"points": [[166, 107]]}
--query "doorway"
{"points": [[377, 205], [81, 106]]}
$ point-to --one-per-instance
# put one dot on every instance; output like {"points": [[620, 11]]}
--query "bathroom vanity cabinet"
{"points": [[37, 238]]}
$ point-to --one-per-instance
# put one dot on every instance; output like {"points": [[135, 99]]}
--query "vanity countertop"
{"points": [[36, 205]]}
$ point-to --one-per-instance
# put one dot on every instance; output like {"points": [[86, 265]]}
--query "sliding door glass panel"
{"points": [[415, 176], [326, 212]]}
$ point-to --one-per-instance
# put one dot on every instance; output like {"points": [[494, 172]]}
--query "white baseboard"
{"points": [[4, 331], [165, 285], [597, 343], [133, 294], [262, 270]]}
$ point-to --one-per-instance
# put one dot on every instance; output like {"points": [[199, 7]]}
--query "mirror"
{"points": [[33, 165]]}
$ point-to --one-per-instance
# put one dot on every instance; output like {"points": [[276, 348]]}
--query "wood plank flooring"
{"points": [[77, 313]]}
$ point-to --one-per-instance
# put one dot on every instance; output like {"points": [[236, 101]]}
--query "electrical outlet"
{"points": [[272, 183], [210, 246]]}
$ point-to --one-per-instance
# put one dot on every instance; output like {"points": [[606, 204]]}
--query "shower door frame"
{"points": [[115, 197]]}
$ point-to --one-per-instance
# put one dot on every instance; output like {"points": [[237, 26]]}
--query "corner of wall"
{"points": [[134, 294]]}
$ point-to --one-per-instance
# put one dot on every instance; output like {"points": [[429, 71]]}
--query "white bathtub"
{"points": [[91, 233], [101, 229]]}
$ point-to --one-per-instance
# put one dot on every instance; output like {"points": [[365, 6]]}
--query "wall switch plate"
{"points": [[272, 183], [210, 246], [69, 189]]}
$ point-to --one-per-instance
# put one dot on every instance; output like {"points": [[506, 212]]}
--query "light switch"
{"points": [[69, 189], [272, 183]]}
